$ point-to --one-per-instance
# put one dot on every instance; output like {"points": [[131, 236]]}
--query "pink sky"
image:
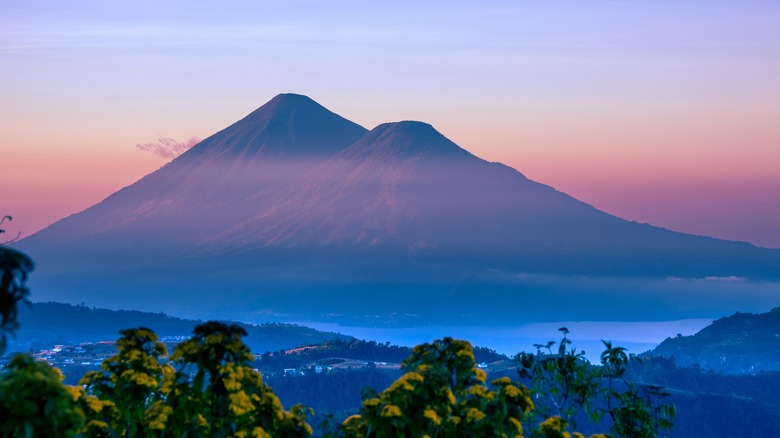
{"points": [[660, 113], [721, 192]]}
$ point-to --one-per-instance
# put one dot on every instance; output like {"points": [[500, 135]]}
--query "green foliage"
{"points": [[215, 393], [35, 403], [565, 386], [333, 394], [714, 404], [634, 409], [132, 382], [208, 389], [442, 393], [555, 427], [14, 269]]}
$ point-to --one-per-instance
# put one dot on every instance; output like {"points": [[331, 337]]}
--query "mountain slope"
{"points": [[219, 181], [406, 191], [743, 343], [296, 211]]}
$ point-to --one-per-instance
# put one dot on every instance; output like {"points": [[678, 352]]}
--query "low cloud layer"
{"points": [[167, 147]]}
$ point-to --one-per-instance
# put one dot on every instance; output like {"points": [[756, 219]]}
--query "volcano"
{"points": [[222, 180], [295, 209]]}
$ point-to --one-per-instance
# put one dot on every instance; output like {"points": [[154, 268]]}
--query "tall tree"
{"points": [[216, 393], [132, 381]]}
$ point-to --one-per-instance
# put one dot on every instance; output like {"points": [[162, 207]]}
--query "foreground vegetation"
{"points": [[207, 388]]}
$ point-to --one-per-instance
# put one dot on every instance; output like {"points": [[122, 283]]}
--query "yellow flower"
{"points": [[466, 354], [232, 385], [138, 378], [477, 390], [517, 424], [502, 381], [258, 432], [371, 403], [431, 415], [76, 392], [391, 411], [554, 426], [512, 391], [474, 415], [96, 424], [157, 424], [414, 377], [94, 403], [406, 382], [240, 403], [157, 415], [450, 397]]}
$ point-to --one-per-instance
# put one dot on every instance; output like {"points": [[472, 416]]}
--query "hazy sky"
{"points": [[658, 111]]}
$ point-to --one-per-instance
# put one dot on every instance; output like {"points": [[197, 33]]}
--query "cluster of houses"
{"points": [[337, 364], [74, 360], [87, 354]]}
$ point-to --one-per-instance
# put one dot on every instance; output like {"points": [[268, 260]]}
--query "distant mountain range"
{"points": [[295, 211], [46, 324]]}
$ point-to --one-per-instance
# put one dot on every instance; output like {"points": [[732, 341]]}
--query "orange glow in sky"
{"points": [[658, 112]]}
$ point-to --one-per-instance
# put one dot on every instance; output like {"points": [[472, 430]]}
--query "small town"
{"points": [[77, 359]]}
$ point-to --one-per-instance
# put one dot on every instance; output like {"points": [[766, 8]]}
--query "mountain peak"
{"points": [[410, 138], [291, 125], [235, 170], [409, 128], [291, 101]]}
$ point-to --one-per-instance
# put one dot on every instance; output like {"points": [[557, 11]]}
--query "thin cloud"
{"points": [[167, 147]]}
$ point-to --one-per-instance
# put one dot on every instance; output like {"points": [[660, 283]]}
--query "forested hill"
{"points": [[45, 324], [370, 351], [743, 343]]}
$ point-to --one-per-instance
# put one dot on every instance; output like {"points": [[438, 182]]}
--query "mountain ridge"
{"points": [[743, 343], [345, 209], [288, 124]]}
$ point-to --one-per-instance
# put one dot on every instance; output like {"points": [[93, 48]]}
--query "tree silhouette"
{"points": [[15, 266], [34, 402]]}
